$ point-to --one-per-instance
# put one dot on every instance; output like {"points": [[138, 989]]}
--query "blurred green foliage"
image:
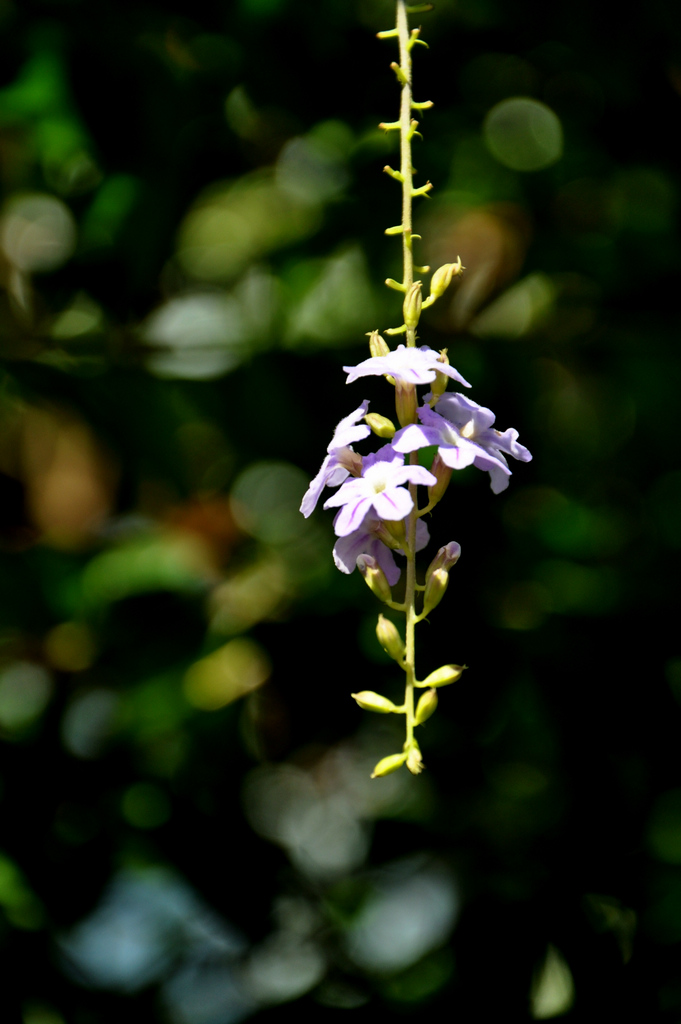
{"points": [[191, 246]]}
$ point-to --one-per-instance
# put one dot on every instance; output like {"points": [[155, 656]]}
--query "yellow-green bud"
{"points": [[447, 556], [406, 403], [436, 585], [443, 475], [442, 278], [443, 676], [425, 707], [384, 535], [371, 701], [414, 762], [388, 764], [396, 529], [439, 385], [389, 638], [374, 577], [377, 345], [412, 305], [380, 425]]}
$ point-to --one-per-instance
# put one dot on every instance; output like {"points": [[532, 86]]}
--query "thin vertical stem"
{"points": [[407, 171]]}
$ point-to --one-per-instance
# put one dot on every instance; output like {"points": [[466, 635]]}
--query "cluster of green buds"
{"points": [[432, 591]]}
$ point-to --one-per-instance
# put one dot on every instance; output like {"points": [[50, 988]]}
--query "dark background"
{"points": [[208, 253]]}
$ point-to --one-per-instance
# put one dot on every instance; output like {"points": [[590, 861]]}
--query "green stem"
{"points": [[410, 605], [406, 169]]}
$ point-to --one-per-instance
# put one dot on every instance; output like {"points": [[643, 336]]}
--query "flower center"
{"points": [[450, 435], [468, 430], [377, 477]]}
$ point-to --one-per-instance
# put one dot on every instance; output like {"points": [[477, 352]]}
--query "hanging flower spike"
{"points": [[332, 471], [409, 365], [379, 488]]}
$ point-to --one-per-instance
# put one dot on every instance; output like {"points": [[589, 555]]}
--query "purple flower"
{"points": [[332, 471], [475, 423], [407, 365], [364, 541], [379, 488], [464, 437]]}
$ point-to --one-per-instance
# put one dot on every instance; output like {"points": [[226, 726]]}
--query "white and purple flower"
{"points": [[406, 365], [380, 488], [365, 541], [332, 471], [463, 433], [476, 423]]}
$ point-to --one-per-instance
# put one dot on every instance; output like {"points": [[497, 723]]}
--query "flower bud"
{"points": [[412, 305], [443, 676], [425, 707], [406, 403], [439, 385], [385, 536], [352, 461], [388, 764], [374, 577], [436, 585], [446, 557], [395, 528], [414, 762], [443, 474], [380, 425], [389, 638], [377, 345], [371, 701], [442, 278]]}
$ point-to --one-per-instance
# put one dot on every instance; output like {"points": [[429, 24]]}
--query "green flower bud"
{"points": [[395, 528], [380, 425], [443, 475], [412, 305], [378, 345], [388, 764], [436, 585], [389, 638], [371, 701], [447, 556], [406, 403], [425, 707], [442, 278], [384, 535], [414, 762], [443, 676], [439, 385], [374, 577]]}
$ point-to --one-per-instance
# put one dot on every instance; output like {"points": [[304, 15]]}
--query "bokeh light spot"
{"points": [[523, 134], [232, 671], [25, 689], [664, 830], [266, 500], [70, 647], [145, 805], [553, 990], [37, 232]]}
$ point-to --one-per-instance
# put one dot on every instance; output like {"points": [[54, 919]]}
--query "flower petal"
{"points": [[393, 503], [350, 516], [409, 438], [346, 433]]}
